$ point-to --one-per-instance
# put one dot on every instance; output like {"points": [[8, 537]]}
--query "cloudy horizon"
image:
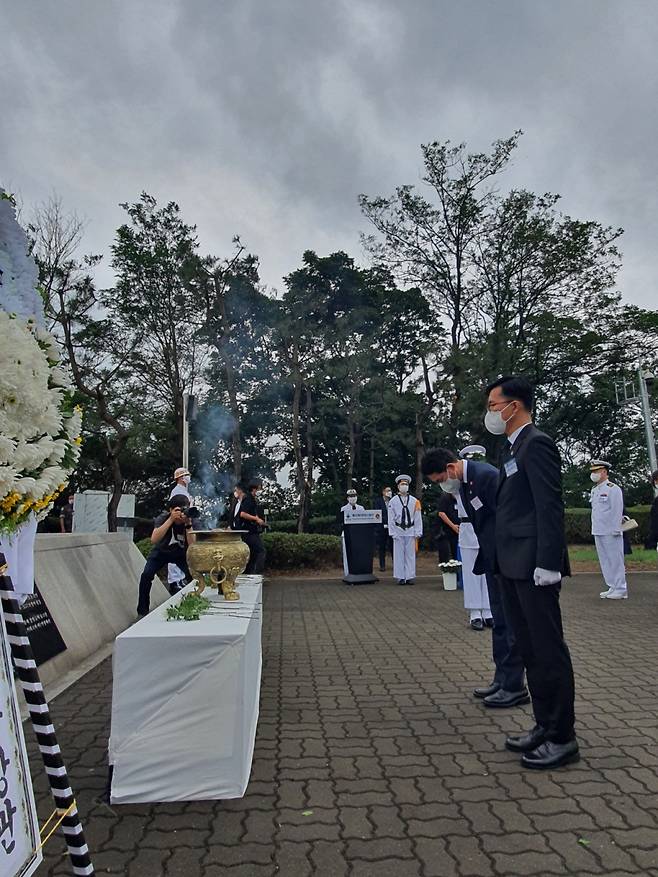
{"points": [[268, 122]]}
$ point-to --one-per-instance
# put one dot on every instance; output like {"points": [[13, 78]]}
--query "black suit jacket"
{"points": [[481, 486], [380, 504], [530, 509]]}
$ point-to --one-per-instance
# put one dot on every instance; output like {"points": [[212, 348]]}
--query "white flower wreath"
{"points": [[39, 427]]}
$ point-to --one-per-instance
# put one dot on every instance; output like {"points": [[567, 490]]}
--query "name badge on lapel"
{"points": [[477, 503], [510, 467]]}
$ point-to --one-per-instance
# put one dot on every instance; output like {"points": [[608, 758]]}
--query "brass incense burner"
{"points": [[216, 558]]}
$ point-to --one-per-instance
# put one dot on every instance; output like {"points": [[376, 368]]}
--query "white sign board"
{"points": [[369, 516], [19, 829]]}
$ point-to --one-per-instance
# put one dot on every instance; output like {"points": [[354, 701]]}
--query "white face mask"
{"points": [[387, 494], [450, 485], [403, 488], [596, 477], [493, 421], [186, 480], [351, 500]]}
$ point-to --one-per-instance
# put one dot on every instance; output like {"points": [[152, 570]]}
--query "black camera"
{"points": [[192, 513]]}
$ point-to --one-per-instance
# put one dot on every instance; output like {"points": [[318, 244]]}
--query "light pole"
{"points": [[626, 395], [189, 415]]}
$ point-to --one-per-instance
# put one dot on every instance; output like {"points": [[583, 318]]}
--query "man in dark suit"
{"points": [[384, 541], [477, 485], [531, 559]]}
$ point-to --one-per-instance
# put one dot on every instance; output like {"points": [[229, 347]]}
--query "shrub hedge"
{"points": [[290, 550], [301, 550]]}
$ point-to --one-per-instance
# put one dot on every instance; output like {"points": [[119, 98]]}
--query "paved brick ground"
{"points": [[372, 758]]}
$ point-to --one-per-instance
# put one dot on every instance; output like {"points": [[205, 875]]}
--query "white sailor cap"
{"points": [[471, 451], [351, 492], [599, 464], [406, 478]]}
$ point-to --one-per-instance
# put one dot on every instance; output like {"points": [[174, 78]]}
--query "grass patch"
{"points": [[582, 556]]}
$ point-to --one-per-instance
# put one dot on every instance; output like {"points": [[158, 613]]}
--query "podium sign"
{"points": [[371, 516], [359, 535], [19, 829]]}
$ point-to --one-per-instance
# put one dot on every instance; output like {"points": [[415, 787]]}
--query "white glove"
{"points": [[547, 577]]}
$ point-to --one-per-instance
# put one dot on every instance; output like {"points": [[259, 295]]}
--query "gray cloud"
{"points": [[267, 119]]}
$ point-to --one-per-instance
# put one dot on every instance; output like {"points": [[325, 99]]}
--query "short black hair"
{"points": [[254, 482], [179, 500], [515, 387], [386, 487], [436, 461]]}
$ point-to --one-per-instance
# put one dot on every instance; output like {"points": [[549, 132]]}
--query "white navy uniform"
{"points": [[175, 574], [404, 539], [607, 502], [476, 593], [348, 507]]}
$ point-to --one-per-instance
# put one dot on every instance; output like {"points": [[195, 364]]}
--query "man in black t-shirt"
{"points": [[170, 537], [253, 523]]}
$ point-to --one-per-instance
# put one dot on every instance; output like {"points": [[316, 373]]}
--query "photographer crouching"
{"points": [[170, 537], [252, 521]]}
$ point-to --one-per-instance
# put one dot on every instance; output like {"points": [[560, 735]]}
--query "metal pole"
{"points": [[28, 675], [648, 426], [186, 433]]}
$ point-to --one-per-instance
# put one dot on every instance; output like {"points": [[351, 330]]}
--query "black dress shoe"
{"points": [[502, 698], [488, 622], [402, 582], [549, 754], [411, 582], [477, 624], [526, 742], [485, 692]]}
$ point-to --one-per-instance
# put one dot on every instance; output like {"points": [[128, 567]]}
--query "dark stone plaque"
{"points": [[45, 638]]}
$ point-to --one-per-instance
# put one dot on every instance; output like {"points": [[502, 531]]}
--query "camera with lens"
{"points": [[192, 513]]}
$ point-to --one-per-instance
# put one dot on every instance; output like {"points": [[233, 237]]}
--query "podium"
{"points": [[359, 528]]}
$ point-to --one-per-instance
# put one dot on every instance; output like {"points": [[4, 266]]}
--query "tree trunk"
{"points": [[308, 480], [352, 451], [420, 450], [371, 479], [117, 487]]}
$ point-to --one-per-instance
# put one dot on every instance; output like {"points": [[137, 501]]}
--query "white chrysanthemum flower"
{"points": [[7, 448]]}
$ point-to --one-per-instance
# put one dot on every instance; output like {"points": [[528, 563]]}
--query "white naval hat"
{"points": [[406, 478], [351, 492], [470, 451], [599, 464]]}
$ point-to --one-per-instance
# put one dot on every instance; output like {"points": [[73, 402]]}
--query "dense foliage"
{"points": [[346, 375]]}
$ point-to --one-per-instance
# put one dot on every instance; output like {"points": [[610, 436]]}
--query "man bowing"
{"points": [[531, 560]]}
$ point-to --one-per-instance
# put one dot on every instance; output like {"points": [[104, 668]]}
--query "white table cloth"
{"points": [[185, 701]]}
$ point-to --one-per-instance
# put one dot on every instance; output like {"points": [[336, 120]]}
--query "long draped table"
{"points": [[185, 701]]}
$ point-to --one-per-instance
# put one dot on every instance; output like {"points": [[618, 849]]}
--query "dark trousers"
{"points": [[505, 650], [447, 546], [533, 613], [154, 563], [256, 562], [384, 544]]}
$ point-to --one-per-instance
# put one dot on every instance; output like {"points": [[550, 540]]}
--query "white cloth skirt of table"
{"points": [[185, 702]]}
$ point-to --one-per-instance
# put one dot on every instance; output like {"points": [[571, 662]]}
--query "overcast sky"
{"points": [[268, 117]]}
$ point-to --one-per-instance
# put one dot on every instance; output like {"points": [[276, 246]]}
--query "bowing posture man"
{"points": [[405, 525], [476, 484], [607, 502], [531, 559]]}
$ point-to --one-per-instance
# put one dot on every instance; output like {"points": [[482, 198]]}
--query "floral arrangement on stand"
{"points": [[450, 566], [39, 424]]}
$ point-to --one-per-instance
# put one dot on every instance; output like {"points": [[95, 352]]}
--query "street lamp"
{"points": [[626, 394], [189, 415]]}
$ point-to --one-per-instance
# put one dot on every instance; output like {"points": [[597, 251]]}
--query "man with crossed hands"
{"points": [[531, 559]]}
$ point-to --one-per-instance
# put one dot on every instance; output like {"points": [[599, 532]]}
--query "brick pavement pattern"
{"points": [[374, 760]]}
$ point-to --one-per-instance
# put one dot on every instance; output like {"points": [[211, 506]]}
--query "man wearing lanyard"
{"points": [[531, 559]]}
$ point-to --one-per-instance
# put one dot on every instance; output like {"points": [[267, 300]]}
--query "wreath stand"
{"points": [[66, 811]]}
